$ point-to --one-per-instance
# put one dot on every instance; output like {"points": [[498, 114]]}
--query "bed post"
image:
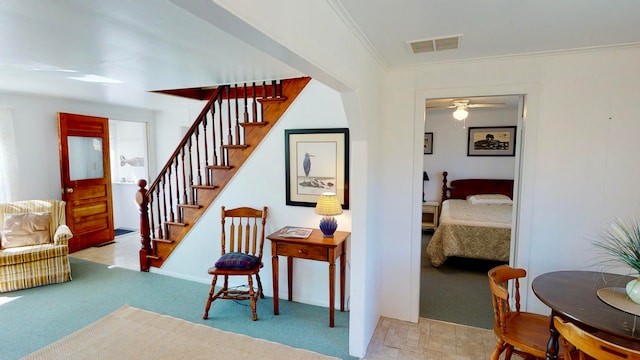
{"points": [[444, 186]]}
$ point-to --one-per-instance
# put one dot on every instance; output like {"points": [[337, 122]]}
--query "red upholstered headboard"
{"points": [[460, 189]]}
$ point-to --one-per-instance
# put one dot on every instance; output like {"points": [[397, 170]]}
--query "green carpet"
{"points": [[457, 291], [34, 318]]}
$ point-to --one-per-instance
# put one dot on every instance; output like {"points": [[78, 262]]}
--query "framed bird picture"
{"points": [[316, 161]]}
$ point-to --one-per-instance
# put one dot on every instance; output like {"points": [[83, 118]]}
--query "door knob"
{"points": [[68, 190]]}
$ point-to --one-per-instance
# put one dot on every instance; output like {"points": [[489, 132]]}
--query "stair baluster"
{"points": [[245, 115], [214, 161], [254, 105], [185, 198], [206, 150], [236, 137]]}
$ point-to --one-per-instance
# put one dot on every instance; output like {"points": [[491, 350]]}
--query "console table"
{"points": [[314, 247]]}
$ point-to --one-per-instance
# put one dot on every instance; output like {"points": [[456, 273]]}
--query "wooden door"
{"points": [[86, 178]]}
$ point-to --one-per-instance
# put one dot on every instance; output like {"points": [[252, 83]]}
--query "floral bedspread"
{"points": [[471, 231]]}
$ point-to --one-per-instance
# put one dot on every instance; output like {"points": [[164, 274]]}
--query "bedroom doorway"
{"points": [[457, 291]]}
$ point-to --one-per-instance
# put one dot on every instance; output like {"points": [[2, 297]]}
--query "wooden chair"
{"points": [[523, 333], [588, 345], [242, 241]]}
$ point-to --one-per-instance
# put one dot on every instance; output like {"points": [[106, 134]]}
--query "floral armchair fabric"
{"points": [[34, 247]]}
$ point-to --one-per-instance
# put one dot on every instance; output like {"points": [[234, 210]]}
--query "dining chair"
{"points": [[519, 332], [589, 346], [242, 241]]}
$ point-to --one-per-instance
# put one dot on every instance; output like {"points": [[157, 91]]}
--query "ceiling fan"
{"points": [[462, 107]]}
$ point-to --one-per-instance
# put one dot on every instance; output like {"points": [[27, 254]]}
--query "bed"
{"points": [[475, 220]]}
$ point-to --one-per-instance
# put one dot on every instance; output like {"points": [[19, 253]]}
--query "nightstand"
{"points": [[430, 215]]}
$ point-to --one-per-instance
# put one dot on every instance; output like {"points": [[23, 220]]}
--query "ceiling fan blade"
{"points": [[441, 107], [486, 105]]}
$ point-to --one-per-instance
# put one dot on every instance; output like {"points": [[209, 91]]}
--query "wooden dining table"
{"points": [[573, 296]]}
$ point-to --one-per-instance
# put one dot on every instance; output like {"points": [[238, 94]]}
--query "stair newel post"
{"points": [[254, 106], [145, 239], [237, 126]]}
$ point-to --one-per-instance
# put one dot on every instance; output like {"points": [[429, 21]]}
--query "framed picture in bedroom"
{"points": [[316, 161], [428, 143], [492, 141]]}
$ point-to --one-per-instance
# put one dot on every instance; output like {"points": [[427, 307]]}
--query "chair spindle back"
{"points": [[245, 229]]}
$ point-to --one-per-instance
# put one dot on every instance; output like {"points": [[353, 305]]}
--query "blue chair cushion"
{"points": [[237, 261]]}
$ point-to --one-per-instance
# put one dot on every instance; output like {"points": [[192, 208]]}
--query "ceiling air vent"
{"points": [[437, 44]]}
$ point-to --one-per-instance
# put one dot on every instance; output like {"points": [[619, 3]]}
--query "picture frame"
{"points": [[492, 141], [428, 143], [325, 169]]}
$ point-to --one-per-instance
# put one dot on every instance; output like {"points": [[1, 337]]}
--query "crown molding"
{"points": [[342, 13]]}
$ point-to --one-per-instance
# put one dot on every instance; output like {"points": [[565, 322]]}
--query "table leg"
{"points": [[290, 276], [274, 266], [553, 344], [343, 266], [332, 291]]}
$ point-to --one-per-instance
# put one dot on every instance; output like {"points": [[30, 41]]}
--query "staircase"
{"points": [[225, 133]]}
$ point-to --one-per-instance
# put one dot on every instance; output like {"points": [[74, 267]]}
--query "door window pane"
{"points": [[85, 158]]}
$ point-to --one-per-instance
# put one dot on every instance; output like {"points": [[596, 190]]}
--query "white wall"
{"points": [[314, 38], [578, 166], [261, 182], [450, 148], [36, 133]]}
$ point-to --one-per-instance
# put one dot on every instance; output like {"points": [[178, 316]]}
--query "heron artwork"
{"points": [[306, 164], [310, 181]]}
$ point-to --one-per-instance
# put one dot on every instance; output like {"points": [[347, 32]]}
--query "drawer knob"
{"points": [[300, 251]]}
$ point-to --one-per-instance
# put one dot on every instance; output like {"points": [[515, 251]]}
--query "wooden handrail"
{"points": [[214, 97]]}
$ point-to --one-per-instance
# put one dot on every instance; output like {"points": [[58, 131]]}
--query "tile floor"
{"points": [[122, 253], [393, 339]]}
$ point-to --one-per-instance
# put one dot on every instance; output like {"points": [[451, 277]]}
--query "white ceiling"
{"points": [[493, 27], [156, 44]]}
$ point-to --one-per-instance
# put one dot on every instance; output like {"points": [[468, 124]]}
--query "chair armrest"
{"points": [[62, 235]]}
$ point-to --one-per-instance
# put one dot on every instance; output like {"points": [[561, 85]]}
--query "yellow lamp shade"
{"points": [[328, 205]]}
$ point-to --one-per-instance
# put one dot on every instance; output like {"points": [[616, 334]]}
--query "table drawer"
{"points": [[304, 251], [428, 209]]}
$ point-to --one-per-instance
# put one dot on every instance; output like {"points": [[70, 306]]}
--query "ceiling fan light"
{"points": [[460, 113]]}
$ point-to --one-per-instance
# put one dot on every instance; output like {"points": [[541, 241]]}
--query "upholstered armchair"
{"points": [[34, 250]]}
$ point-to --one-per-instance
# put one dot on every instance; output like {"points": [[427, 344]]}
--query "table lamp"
{"points": [[425, 177], [328, 206]]}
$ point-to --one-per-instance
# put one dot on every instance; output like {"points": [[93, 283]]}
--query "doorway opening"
{"points": [[129, 163], [457, 291]]}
